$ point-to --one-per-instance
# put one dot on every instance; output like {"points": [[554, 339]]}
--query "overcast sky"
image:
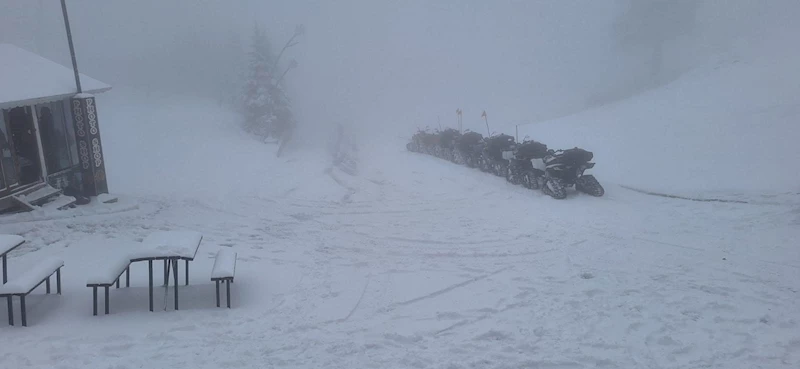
{"points": [[371, 62]]}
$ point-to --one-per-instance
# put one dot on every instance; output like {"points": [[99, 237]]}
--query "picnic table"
{"points": [[171, 247], [8, 242]]}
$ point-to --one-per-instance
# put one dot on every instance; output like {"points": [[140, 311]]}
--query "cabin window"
{"points": [[58, 139]]}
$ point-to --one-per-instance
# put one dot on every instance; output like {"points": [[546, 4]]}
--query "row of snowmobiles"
{"points": [[528, 163]]}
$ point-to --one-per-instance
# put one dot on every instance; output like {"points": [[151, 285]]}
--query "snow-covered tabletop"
{"points": [[169, 244], [9, 241]]}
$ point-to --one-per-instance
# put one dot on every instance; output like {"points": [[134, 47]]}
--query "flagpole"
{"points": [[486, 119], [71, 47]]}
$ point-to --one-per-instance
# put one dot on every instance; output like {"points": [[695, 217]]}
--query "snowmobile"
{"points": [[430, 143], [468, 148], [492, 158], [565, 168], [417, 143], [447, 143], [521, 160]]}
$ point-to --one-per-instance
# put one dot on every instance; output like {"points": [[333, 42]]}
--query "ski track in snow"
{"points": [[414, 271]]}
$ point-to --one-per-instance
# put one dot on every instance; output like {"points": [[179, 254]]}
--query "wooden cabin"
{"points": [[50, 151]]}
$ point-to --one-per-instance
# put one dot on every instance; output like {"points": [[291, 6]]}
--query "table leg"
{"points": [[58, 281], [166, 272], [94, 300], [150, 265], [228, 291], [187, 272], [128, 276], [107, 302], [23, 311], [217, 283], [47, 285], [5, 268], [10, 311], [175, 274]]}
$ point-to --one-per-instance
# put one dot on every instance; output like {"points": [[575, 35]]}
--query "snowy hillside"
{"points": [[730, 126]]}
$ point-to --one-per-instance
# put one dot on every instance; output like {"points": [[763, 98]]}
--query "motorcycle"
{"points": [[565, 168]]}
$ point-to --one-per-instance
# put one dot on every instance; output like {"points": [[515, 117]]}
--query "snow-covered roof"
{"points": [[27, 78]]}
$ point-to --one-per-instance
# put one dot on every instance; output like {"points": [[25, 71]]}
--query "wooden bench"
{"points": [[223, 271], [8, 242], [27, 282], [108, 275]]}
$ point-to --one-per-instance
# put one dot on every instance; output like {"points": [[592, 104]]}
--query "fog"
{"points": [[376, 64]]}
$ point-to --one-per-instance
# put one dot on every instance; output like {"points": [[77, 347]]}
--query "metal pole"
{"points": [[71, 46], [150, 265]]}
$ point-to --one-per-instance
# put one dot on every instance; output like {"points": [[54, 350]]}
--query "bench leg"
{"points": [[166, 273], [47, 285], [58, 281], [175, 274], [107, 298], [150, 265], [94, 300], [128, 276], [187, 272], [23, 311], [10, 311], [217, 283], [5, 269], [228, 290]]}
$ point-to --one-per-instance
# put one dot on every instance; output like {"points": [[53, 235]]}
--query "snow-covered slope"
{"points": [[189, 148], [728, 126]]}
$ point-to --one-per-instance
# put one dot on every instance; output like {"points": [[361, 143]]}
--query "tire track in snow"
{"points": [[444, 290], [360, 298], [671, 196], [350, 190]]}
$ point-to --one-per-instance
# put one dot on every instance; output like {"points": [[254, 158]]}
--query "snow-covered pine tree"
{"points": [[258, 102]]}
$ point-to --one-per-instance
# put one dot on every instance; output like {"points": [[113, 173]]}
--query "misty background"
{"points": [[398, 63]]}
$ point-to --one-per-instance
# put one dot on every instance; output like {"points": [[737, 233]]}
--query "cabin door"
{"points": [[19, 150]]}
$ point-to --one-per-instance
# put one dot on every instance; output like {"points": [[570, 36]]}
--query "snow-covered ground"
{"points": [[419, 263], [415, 263]]}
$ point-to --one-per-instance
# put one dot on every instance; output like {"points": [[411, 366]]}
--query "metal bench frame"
{"points": [[228, 281], [5, 261], [106, 286], [23, 311]]}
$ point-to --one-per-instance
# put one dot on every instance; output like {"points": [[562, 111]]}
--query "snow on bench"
{"points": [[24, 284], [223, 271], [8, 242], [224, 265], [107, 275], [32, 278]]}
